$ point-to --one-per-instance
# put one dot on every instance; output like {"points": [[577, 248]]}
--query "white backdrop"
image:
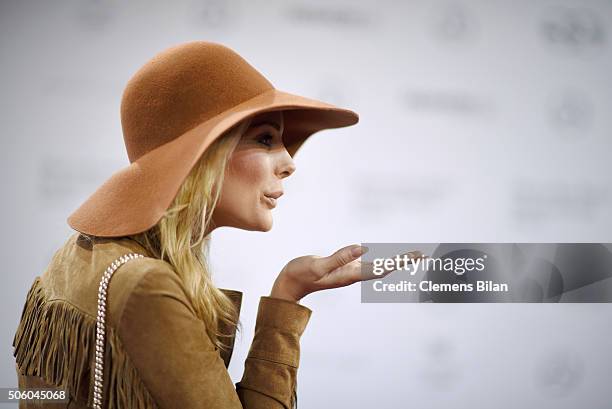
{"points": [[480, 121]]}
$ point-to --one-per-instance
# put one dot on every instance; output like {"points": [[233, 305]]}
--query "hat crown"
{"points": [[181, 87]]}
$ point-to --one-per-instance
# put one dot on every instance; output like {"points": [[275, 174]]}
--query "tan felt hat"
{"points": [[172, 109]]}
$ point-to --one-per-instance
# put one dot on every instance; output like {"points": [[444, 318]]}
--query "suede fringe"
{"points": [[56, 341], [294, 398]]}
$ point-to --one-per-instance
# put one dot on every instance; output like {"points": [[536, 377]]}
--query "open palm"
{"points": [[307, 274]]}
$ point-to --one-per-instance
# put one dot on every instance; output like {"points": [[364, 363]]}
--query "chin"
{"points": [[263, 224], [266, 222], [258, 221], [258, 227], [266, 226]]}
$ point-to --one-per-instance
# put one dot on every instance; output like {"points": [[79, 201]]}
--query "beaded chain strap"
{"points": [[101, 324]]}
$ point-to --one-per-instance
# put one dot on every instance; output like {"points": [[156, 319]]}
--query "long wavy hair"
{"points": [[179, 236]]}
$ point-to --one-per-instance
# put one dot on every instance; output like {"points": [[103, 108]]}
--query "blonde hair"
{"points": [[179, 236]]}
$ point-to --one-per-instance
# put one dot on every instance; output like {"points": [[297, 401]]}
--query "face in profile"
{"points": [[253, 178]]}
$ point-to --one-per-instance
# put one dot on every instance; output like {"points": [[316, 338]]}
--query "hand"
{"points": [[307, 274]]}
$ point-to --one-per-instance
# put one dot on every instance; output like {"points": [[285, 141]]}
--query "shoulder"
{"points": [[141, 282], [133, 272]]}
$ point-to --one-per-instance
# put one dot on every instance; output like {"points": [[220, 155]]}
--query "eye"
{"points": [[265, 139]]}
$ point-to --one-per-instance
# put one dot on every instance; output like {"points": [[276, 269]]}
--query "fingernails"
{"points": [[359, 250]]}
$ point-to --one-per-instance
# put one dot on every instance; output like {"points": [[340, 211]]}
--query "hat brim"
{"points": [[135, 198]]}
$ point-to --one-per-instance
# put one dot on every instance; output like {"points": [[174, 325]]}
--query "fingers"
{"points": [[369, 271], [341, 257], [363, 270]]}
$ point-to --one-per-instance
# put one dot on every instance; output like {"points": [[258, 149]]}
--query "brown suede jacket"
{"points": [[157, 352]]}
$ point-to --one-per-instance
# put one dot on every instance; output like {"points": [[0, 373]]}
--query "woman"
{"points": [[210, 141]]}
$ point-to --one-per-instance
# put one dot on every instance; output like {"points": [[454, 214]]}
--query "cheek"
{"points": [[245, 182], [249, 169]]}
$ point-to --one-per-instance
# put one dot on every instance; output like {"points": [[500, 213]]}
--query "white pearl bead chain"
{"points": [[101, 324]]}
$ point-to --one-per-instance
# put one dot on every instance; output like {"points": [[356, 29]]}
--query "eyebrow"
{"points": [[273, 124]]}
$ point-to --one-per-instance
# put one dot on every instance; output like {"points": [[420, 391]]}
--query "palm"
{"points": [[342, 276], [308, 274]]}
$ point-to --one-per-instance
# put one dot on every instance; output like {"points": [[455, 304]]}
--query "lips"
{"points": [[270, 201], [272, 197]]}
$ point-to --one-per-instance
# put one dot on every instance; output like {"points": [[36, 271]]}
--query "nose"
{"points": [[286, 165]]}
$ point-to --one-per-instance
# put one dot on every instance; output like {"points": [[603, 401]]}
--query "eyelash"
{"points": [[264, 137]]}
